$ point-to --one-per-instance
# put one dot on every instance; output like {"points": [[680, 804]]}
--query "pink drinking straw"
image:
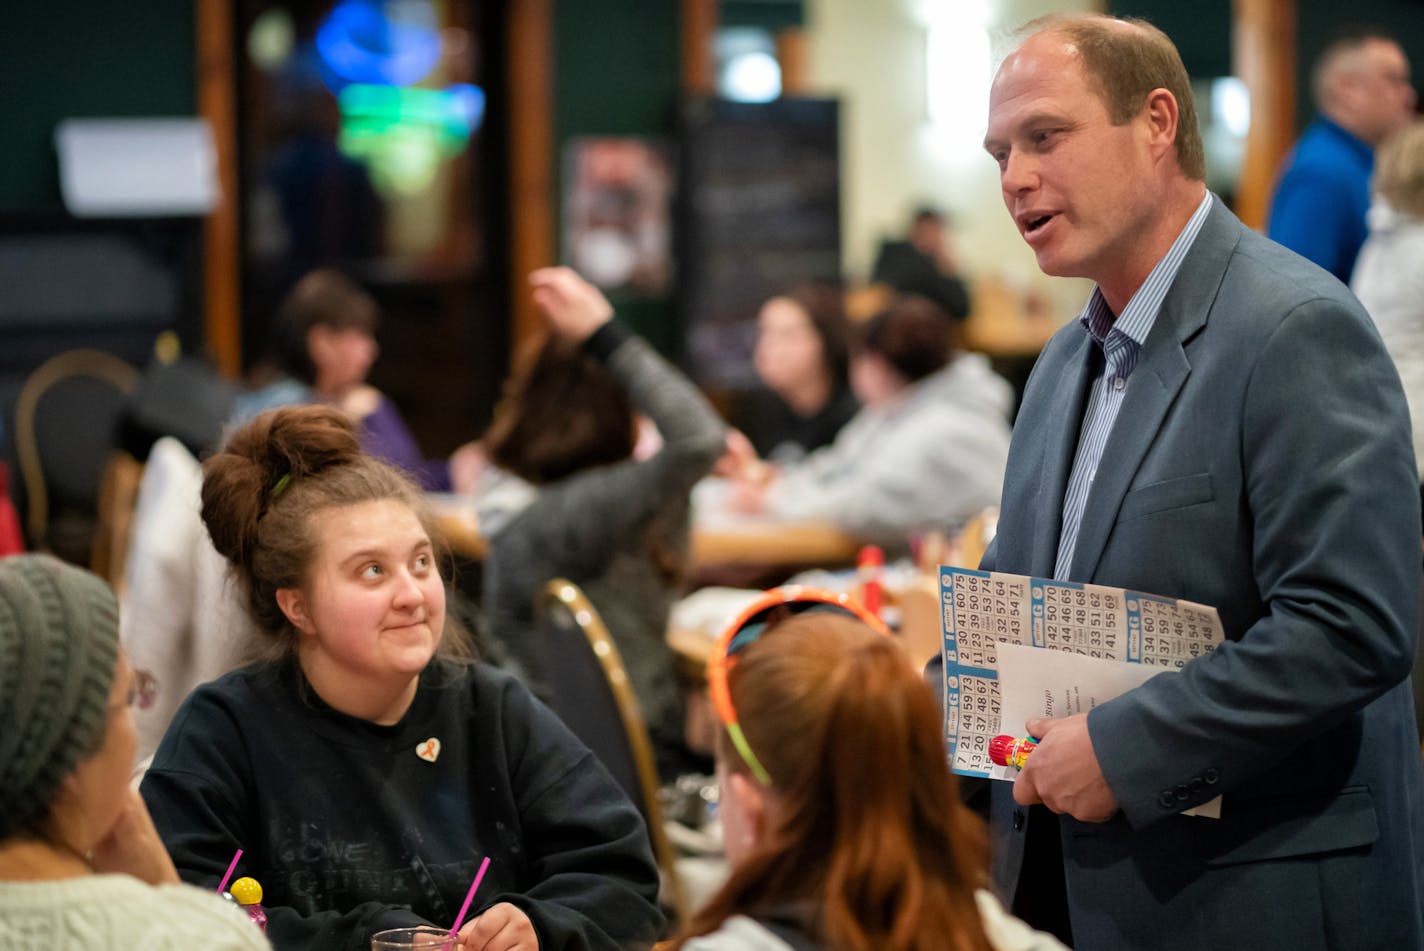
{"points": [[469, 897], [231, 866]]}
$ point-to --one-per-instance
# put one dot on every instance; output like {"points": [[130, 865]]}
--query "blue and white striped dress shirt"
{"points": [[1121, 343]]}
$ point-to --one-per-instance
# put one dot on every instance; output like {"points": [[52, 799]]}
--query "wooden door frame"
{"points": [[531, 164], [1263, 56], [222, 253]]}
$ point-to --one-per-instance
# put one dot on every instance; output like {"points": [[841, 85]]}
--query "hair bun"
{"points": [[263, 458], [304, 440]]}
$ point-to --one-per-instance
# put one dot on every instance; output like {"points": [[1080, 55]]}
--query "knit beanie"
{"points": [[59, 646]]}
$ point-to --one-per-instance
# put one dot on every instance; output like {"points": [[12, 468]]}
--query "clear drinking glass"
{"points": [[424, 937]]}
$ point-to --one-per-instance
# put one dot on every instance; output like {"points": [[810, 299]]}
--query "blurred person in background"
{"points": [[1389, 281], [81, 865], [1389, 276], [924, 265], [324, 343], [568, 498], [802, 360], [925, 453], [1362, 92]]}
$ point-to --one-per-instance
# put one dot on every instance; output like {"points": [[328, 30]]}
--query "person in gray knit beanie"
{"points": [[81, 864], [59, 646]]}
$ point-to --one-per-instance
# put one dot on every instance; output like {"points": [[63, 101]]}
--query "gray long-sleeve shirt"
{"points": [[592, 528], [931, 461]]}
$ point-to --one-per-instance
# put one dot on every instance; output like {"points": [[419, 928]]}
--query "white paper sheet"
{"points": [[1036, 683]]}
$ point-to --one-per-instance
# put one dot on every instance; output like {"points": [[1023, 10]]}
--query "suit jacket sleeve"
{"points": [[1328, 487]]}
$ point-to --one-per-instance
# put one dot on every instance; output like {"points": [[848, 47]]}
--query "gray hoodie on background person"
{"points": [[930, 462]]}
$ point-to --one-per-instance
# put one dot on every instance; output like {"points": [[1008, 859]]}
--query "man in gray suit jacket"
{"points": [[1222, 425]]}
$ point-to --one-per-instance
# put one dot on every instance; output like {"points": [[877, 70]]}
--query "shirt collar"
{"points": [[1137, 317]]}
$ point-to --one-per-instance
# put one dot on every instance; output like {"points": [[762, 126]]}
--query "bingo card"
{"points": [[981, 609]]}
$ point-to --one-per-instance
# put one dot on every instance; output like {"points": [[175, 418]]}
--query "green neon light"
{"points": [[402, 133]]}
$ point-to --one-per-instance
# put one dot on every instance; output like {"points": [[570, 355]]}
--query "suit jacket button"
{"points": [[1018, 820], [1182, 793], [1211, 775], [1166, 800], [1196, 784]]}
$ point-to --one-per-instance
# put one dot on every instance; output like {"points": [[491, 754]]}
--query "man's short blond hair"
{"points": [[1126, 65]]}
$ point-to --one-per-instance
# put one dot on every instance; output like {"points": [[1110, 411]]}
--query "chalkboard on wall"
{"points": [[758, 213]]}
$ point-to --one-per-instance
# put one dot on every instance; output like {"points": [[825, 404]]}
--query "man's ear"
{"points": [[294, 605], [1162, 114]]}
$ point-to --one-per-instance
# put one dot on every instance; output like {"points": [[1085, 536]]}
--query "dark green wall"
{"points": [[617, 72], [85, 58], [1201, 29], [615, 67], [767, 14]]}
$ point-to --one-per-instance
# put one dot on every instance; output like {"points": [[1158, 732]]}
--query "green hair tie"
{"points": [[281, 486]]}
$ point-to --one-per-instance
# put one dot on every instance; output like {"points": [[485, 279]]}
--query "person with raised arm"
{"points": [[571, 497]]}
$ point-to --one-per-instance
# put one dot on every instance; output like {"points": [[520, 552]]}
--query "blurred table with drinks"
{"points": [[910, 596]]}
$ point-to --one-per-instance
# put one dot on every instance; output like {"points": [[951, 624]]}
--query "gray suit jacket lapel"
{"points": [[1157, 379]]}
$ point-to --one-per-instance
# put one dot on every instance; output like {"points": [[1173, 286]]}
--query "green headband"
{"points": [[739, 740]]}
